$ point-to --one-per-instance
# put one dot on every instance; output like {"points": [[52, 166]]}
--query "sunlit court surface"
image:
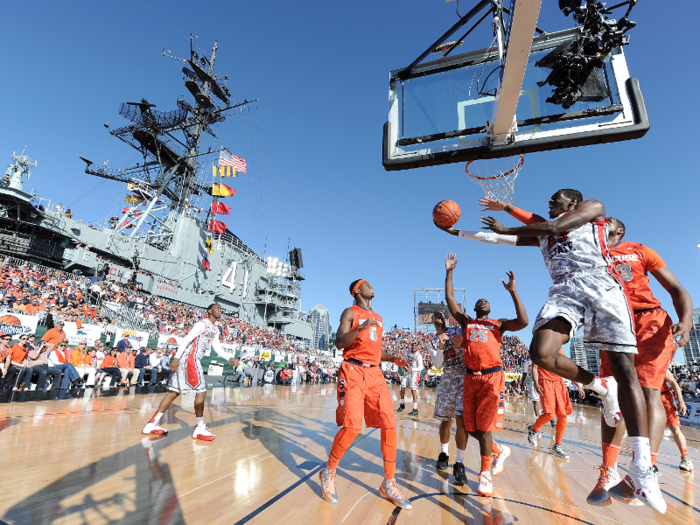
{"points": [[84, 460]]}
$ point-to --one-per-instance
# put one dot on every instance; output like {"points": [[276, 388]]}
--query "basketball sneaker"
{"points": [[153, 429], [498, 462], [552, 423], [485, 484], [644, 486], [686, 464], [327, 477], [625, 491], [402, 407], [442, 461], [413, 412], [600, 496], [611, 405], [202, 432], [531, 436], [558, 451], [390, 491], [459, 473]]}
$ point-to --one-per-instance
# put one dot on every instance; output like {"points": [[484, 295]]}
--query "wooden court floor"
{"points": [[84, 461]]}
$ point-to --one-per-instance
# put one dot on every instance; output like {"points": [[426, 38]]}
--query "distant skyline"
{"points": [[320, 72]]}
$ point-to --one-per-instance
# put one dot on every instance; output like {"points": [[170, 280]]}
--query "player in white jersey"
{"points": [[447, 353], [411, 379], [190, 377], [530, 384], [585, 293]]}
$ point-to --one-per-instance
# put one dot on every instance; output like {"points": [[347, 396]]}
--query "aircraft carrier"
{"points": [[170, 239]]}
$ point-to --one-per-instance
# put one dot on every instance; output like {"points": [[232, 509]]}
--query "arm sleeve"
{"points": [[226, 354], [197, 330], [654, 260], [526, 217], [418, 365], [439, 359], [489, 237]]}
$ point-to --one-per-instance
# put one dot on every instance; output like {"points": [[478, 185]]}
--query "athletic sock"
{"points": [[496, 449], [415, 406], [460, 456], [541, 421], [156, 417], [561, 427], [444, 447], [598, 385], [200, 421], [654, 457], [684, 452], [485, 463], [610, 454], [641, 453]]}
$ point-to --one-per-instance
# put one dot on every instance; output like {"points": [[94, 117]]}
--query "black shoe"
{"points": [[552, 423], [401, 408], [459, 474], [442, 461], [413, 412]]}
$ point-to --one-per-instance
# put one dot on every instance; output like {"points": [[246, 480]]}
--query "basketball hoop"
{"points": [[496, 176]]}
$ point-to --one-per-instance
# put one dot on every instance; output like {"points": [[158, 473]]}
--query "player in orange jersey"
{"points": [[657, 340], [554, 396], [674, 404], [363, 392], [483, 396]]}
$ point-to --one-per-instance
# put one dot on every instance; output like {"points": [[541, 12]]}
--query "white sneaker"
{"points": [[485, 484], [646, 487], [202, 432], [498, 463], [611, 406], [153, 429]]}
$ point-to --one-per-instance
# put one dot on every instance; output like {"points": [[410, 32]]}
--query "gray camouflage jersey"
{"points": [[454, 357]]}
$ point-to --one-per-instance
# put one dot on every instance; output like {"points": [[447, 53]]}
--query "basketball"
{"points": [[446, 213], [10, 319]]}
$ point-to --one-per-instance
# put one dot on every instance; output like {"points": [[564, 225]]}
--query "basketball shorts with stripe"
{"points": [[449, 396], [532, 392], [363, 395], [669, 401], [484, 401], [410, 380], [189, 376], [595, 300]]}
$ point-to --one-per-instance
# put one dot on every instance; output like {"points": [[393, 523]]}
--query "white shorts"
{"points": [[189, 376], [597, 301], [410, 380], [532, 392], [449, 396]]}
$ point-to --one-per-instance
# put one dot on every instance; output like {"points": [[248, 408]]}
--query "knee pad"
{"points": [[389, 437]]}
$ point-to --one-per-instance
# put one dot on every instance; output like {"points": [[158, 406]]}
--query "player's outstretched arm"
{"points": [[585, 212], [456, 312], [682, 409], [522, 320], [681, 302], [523, 216]]}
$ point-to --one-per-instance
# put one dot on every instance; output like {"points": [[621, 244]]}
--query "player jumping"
{"points": [[411, 379], [190, 377], [484, 383], [363, 392]]}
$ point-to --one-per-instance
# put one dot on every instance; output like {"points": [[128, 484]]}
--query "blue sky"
{"points": [[320, 72]]}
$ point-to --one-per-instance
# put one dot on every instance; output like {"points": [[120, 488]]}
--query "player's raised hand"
{"points": [[367, 324], [510, 285], [681, 334], [451, 262], [492, 204], [490, 223], [450, 229]]}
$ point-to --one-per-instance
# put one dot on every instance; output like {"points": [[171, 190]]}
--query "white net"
{"points": [[496, 176]]}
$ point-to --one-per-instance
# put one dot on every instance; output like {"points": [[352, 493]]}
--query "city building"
{"points": [[321, 321], [691, 351], [584, 357]]}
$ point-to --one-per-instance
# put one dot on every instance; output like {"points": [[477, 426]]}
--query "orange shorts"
{"points": [[363, 394], [484, 401], [669, 401], [555, 398], [655, 346]]}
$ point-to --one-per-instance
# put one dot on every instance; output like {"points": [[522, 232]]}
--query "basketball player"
{"points": [[673, 406], [656, 343], [586, 293], [411, 379], [190, 378], [483, 399], [529, 383], [363, 392], [555, 402]]}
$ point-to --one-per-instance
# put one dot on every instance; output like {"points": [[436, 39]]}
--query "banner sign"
{"points": [[512, 377], [88, 333], [137, 339], [435, 372], [279, 358], [169, 341], [247, 352], [17, 324], [265, 355], [692, 417]]}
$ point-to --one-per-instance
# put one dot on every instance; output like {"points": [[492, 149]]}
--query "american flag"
{"points": [[226, 159]]}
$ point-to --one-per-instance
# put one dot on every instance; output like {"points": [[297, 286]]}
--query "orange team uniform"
{"points": [[362, 390], [632, 262], [555, 395], [484, 383], [670, 405]]}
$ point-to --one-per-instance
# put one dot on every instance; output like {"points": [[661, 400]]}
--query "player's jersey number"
{"points": [[479, 335], [373, 333], [625, 271]]}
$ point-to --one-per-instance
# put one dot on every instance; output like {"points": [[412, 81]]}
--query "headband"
{"points": [[359, 283]]}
